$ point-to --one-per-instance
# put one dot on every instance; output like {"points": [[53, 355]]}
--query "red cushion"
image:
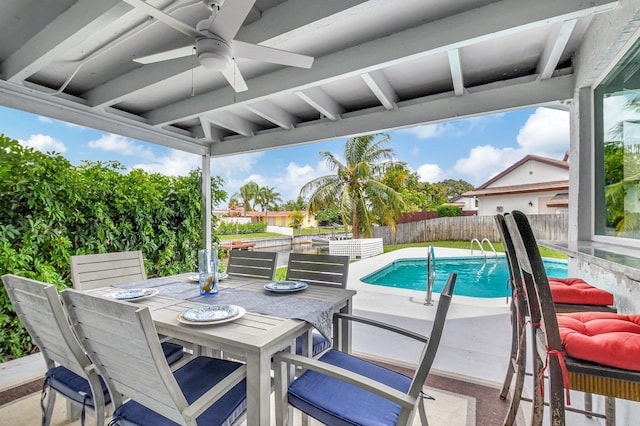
{"points": [[575, 291], [602, 337]]}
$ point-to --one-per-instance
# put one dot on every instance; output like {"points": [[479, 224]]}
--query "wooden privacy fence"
{"points": [[466, 228]]}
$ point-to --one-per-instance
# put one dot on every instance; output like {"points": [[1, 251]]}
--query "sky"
{"points": [[473, 149]]}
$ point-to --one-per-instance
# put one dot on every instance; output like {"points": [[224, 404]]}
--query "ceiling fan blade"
{"points": [[164, 18], [230, 17], [234, 77], [166, 55], [269, 54]]}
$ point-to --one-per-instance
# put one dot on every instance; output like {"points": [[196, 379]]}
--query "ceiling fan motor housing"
{"points": [[213, 53]]}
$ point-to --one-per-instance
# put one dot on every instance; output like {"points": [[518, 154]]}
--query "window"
{"points": [[617, 150]]}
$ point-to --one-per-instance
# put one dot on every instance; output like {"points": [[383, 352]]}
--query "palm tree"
{"points": [[267, 197], [357, 188], [248, 192]]}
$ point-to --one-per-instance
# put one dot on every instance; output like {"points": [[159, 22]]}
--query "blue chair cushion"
{"points": [[73, 386], [320, 344], [194, 378], [172, 352], [335, 402]]}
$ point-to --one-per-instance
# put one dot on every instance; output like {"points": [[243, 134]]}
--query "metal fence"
{"points": [[466, 228]]}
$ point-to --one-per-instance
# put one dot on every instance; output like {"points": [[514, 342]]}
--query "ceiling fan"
{"points": [[214, 44]]}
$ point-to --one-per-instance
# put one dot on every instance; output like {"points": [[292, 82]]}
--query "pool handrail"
{"points": [[431, 275], [480, 244]]}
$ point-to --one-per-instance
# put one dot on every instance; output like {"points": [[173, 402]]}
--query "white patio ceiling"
{"points": [[379, 65]]}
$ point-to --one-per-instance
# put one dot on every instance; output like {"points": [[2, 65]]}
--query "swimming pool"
{"points": [[477, 276]]}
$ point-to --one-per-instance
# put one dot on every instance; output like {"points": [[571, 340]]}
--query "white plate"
{"points": [[196, 278], [133, 294], [201, 313], [285, 286]]}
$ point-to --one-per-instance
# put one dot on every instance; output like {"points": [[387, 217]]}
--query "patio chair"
{"points": [[322, 270], [69, 371], [91, 271], [255, 264], [341, 389], [588, 298], [593, 352], [121, 339]]}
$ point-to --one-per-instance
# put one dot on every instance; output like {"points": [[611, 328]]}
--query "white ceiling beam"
{"points": [[210, 133], [70, 28], [491, 98], [273, 113], [491, 21], [456, 71], [130, 84], [274, 22], [321, 102], [381, 88], [557, 42], [72, 111], [232, 122]]}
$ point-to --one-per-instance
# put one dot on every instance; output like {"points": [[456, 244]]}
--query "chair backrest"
{"points": [[542, 311], [102, 270], [122, 341], [318, 269], [257, 264], [431, 348], [39, 308]]}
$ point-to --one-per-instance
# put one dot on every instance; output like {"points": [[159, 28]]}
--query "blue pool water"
{"points": [[477, 277]]}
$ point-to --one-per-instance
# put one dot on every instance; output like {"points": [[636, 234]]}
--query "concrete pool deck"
{"points": [[476, 341]]}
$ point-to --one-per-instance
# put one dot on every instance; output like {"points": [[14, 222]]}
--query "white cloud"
{"points": [[546, 133], [44, 143], [429, 130], [486, 161], [121, 145], [430, 173], [175, 163], [231, 165]]}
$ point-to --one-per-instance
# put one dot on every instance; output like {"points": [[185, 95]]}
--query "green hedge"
{"points": [[51, 210], [241, 228], [448, 210]]}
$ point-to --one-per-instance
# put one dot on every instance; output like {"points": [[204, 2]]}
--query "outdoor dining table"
{"points": [[271, 324]]}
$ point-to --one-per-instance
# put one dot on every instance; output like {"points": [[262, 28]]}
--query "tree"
{"points": [[248, 192], [297, 219], [298, 204], [266, 197], [454, 188], [356, 187]]}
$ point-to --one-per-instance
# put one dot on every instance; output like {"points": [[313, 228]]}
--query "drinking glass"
{"points": [[208, 271]]}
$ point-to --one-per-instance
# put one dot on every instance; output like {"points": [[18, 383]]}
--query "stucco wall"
{"points": [[532, 172]]}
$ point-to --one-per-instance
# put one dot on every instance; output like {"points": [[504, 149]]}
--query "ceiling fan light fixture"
{"points": [[213, 54]]}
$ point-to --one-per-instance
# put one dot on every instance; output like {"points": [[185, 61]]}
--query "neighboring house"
{"points": [[467, 204], [534, 185], [274, 218]]}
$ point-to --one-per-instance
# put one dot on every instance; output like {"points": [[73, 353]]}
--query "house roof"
{"points": [[562, 185], [559, 200], [378, 65], [555, 163]]}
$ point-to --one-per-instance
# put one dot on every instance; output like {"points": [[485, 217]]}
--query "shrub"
{"points": [[241, 228], [448, 210], [51, 210]]}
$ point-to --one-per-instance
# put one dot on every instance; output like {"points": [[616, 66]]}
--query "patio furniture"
{"points": [[341, 389], [69, 371], [92, 271], [320, 270], [583, 296], [258, 264], [105, 269], [593, 352], [121, 339]]}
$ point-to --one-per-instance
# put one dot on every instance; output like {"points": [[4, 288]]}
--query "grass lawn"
{"points": [[544, 252]]}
